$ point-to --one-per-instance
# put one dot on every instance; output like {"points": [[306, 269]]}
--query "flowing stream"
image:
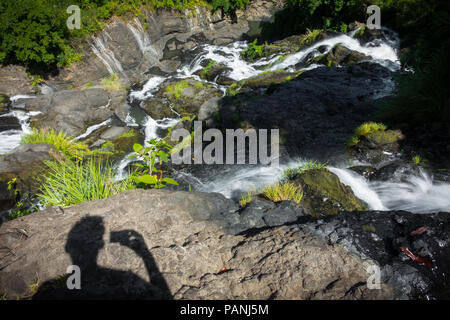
{"points": [[418, 194]]}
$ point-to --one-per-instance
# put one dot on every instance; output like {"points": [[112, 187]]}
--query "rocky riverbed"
{"points": [[371, 208]]}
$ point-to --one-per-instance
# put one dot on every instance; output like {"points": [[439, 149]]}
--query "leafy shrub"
{"points": [[68, 183], [310, 36], [284, 191], [59, 140], [228, 5], [152, 154], [111, 83]]}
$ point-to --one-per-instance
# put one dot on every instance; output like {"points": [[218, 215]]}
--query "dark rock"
{"points": [[176, 240], [24, 163], [380, 236], [324, 194], [365, 171]]}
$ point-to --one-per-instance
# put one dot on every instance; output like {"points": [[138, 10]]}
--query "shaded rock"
{"points": [[343, 56], [70, 111], [213, 71], [324, 194], [9, 123], [377, 147], [365, 171], [209, 112], [25, 163], [380, 236], [174, 246]]}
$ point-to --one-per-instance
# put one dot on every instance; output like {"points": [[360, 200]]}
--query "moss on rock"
{"points": [[325, 194]]}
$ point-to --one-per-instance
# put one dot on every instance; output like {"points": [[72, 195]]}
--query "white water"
{"points": [[142, 38], [10, 139], [419, 195], [100, 48], [91, 129]]}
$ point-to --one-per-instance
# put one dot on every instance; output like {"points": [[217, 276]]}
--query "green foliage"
{"points": [[363, 130], [284, 191], [154, 153], [111, 83], [310, 36], [417, 159], [254, 51], [68, 183], [291, 173], [205, 70], [175, 90], [59, 140]]}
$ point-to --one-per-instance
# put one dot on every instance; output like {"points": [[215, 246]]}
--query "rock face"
{"points": [[24, 163], [14, 80], [70, 111], [324, 194], [174, 245]]}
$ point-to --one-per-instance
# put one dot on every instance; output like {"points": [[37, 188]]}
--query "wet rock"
{"points": [[324, 194], [9, 123], [398, 171], [377, 147], [213, 71], [209, 112], [157, 108], [381, 235], [187, 95], [174, 246], [24, 163], [266, 79]]}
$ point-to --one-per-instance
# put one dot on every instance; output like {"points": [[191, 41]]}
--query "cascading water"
{"points": [[101, 50]]}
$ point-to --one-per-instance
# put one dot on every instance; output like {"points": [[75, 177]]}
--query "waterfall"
{"points": [[141, 36], [101, 50]]}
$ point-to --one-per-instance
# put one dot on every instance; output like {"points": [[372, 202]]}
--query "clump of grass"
{"points": [[310, 36], [246, 199], [291, 173], [284, 191], [59, 140], [365, 129], [205, 70], [68, 183], [111, 83]]}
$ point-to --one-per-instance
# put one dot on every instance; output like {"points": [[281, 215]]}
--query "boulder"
{"points": [[70, 111], [209, 112], [396, 171], [157, 108], [324, 194], [14, 80], [24, 163], [187, 95], [163, 244]]}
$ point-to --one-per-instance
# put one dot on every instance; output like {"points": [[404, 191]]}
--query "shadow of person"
{"points": [[84, 242]]}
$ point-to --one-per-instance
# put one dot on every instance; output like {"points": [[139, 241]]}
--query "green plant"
{"points": [[254, 51], [310, 36], [59, 140], [154, 153], [68, 183], [205, 70], [363, 130], [111, 83], [417, 159], [291, 173], [284, 191]]}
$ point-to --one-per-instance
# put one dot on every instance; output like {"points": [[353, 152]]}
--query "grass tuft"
{"points": [[68, 183], [363, 130], [59, 140], [111, 83], [291, 173]]}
